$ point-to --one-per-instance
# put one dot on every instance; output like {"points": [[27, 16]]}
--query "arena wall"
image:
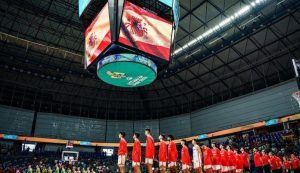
{"points": [[266, 104], [270, 103], [15, 121], [69, 127]]}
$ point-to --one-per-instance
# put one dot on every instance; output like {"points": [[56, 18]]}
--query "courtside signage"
{"points": [[271, 122]]}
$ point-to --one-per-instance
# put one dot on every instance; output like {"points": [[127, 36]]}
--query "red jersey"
{"points": [[265, 159], [150, 147], [231, 157], [257, 159], [295, 163], [172, 152], [185, 155], [122, 147], [224, 157], [245, 157], [286, 165], [136, 151], [239, 161], [207, 156], [275, 162], [163, 153], [216, 156]]}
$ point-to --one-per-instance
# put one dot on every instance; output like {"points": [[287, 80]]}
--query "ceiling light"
{"points": [[227, 21]]}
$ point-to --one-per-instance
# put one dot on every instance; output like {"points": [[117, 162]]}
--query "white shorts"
{"points": [[216, 167], [230, 168], [135, 164], [171, 164], [148, 161], [238, 170], [224, 168], [207, 167], [121, 160], [162, 164], [196, 164], [185, 166]]}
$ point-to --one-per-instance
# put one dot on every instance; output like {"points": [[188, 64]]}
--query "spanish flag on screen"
{"points": [[145, 31], [97, 36]]}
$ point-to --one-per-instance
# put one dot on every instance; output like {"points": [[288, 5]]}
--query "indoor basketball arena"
{"points": [[149, 86]]}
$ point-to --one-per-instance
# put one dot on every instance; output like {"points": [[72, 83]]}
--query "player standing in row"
{"points": [[239, 162], [136, 153], [216, 164], [232, 161], [246, 160], [172, 154], [258, 161], [163, 154], [224, 159], [207, 158], [185, 157], [150, 150], [197, 157], [122, 152]]}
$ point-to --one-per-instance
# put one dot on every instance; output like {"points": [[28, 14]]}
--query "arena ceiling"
{"points": [[42, 45]]}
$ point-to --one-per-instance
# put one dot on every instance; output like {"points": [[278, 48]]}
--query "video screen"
{"points": [[29, 147], [108, 151], [97, 36], [145, 31], [82, 4]]}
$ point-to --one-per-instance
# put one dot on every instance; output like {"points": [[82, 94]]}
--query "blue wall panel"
{"points": [[69, 127], [15, 121], [267, 104], [114, 127], [178, 126]]}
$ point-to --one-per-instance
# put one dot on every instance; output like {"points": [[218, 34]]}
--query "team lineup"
{"points": [[210, 160]]}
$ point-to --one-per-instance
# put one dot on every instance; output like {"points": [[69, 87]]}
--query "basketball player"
{"points": [[257, 161], [197, 157], [265, 161], [122, 152], [216, 164], [136, 153], [163, 154], [239, 162], [246, 160], [185, 157], [207, 158], [231, 159], [150, 150], [172, 154], [224, 159]]}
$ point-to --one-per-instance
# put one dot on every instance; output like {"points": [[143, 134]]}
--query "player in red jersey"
{"points": [[122, 152], [246, 160], [185, 157], [224, 159], [207, 158], [265, 161], [239, 162], [172, 154], [216, 164], [275, 163], [136, 153], [197, 157], [163, 154], [286, 165], [150, 150], [231, 159], [295, 163], [257, 161]]}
